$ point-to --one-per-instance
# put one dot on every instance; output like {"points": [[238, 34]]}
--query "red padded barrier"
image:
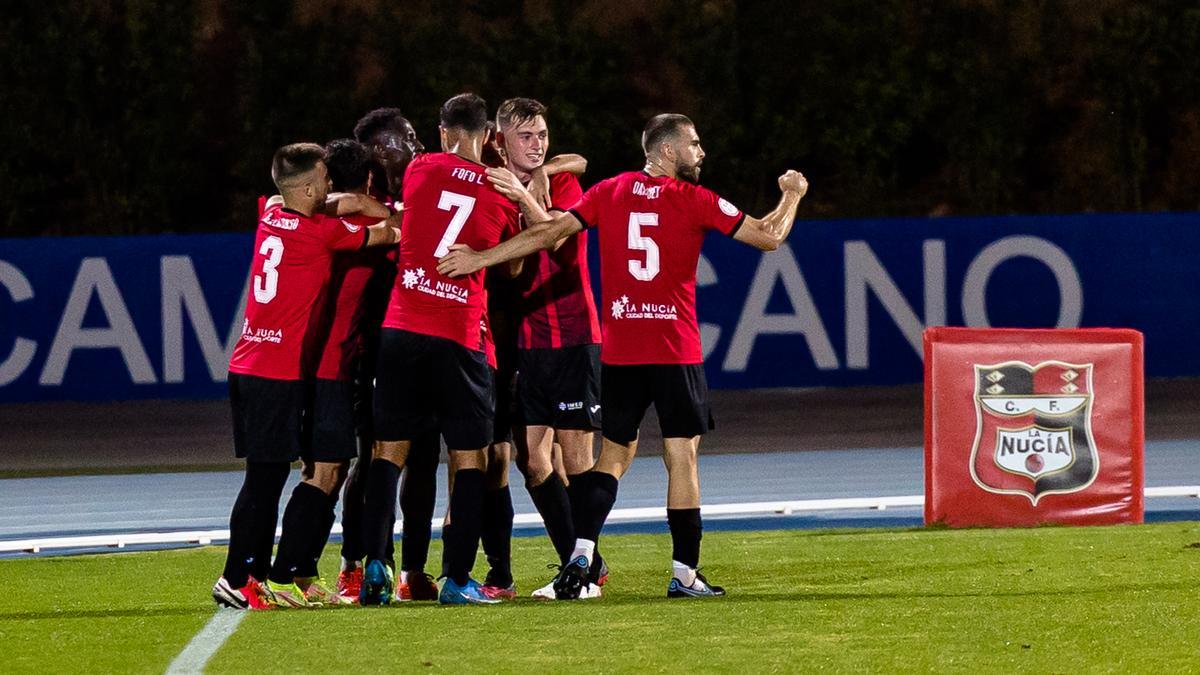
{"points": [[1024, 427]]}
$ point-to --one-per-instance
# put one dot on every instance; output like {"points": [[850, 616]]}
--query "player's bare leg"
{"points": [[557, 460], [683, 517], [383, 481]]}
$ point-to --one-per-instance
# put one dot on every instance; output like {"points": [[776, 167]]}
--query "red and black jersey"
{"points": [[557, 307], [447, 200], [289, 277], [651, 229], [358, 293]]}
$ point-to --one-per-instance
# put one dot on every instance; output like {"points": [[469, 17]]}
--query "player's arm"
{"points": [[385, 232], [539, 181], [462, 260], [540, 234], [569, 163], [768, 232], [351, 203], [532, 207]]}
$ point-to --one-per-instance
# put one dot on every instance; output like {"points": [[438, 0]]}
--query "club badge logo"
{"points": [[1033, 432]]}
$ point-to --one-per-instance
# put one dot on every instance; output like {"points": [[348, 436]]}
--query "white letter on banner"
{"points": [[710, 333], [180, 290], [863, 270], [21, 356], [95, 275], [1070, 288], [804, 320]]}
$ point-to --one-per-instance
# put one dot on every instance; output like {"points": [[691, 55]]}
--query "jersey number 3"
{"points": [[267, 283], [462, 205], [637, 242]]}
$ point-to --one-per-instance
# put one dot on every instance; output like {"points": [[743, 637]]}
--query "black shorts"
{"points": [[679, 394], [333, 421], [268, 417], [425, 383], [560, 388]]}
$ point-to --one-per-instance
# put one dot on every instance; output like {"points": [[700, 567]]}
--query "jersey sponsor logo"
{"points": [[573, 405], [726, 208], [250, 334], [652, 192], [624, 308], [416, 280], [1033, 433], [281, 223]]}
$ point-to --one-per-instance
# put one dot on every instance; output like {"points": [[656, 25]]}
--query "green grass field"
{"points": [[1041, 600]]}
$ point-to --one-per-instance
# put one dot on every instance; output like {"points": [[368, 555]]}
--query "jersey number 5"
{"points": [[462, 205], [267, 283], [648, 270]]}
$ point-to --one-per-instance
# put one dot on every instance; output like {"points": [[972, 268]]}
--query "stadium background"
{"points": [[1029, 140]]}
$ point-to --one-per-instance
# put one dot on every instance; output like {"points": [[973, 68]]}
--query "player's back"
{"points": [[447, 200], [359, 284], [289, 275], [651, 229]]}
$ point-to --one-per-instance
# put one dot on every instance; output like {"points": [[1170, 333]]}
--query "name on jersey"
{"points": [[641, 190], [416, 280], [467, 175], [624, 308], [281, 223], [250, 334]]}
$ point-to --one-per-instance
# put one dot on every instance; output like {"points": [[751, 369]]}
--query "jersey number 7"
{"points": [[462, 206]]}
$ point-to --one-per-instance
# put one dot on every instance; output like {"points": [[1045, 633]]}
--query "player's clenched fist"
{"points": [[793, 181]]}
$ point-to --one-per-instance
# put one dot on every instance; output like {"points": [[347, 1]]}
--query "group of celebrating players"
{"points": [[401, 298]]}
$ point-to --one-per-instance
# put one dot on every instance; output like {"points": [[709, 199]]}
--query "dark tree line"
{"points": [[150, 116]]}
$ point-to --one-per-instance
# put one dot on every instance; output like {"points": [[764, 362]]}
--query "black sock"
{"points": [[252, 520], [461, 542], [380, 505], [685, 535], [418, 497], [320, 537], [599, 493], [303, 515], [497, 535], [352, 507], [553, 503]]}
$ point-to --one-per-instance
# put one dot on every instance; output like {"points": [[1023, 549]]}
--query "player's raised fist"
{"points": [[460, 261], [793, 181]]}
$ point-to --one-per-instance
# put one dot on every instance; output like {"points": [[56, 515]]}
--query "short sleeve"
{"points": [[587, 209], [564, 191], [342, 235], [716, 213]]}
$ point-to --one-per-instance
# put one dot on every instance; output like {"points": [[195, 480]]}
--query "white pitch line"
{"points": [[206, 643]]}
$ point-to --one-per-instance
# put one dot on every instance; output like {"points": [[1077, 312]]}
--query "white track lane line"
{"points": [[206, 643]]}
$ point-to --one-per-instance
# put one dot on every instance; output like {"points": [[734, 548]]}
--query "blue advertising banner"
{"points": [[842, 303]]}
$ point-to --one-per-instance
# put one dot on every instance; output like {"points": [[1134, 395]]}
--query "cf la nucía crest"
{"points": [[1033, 434]]}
